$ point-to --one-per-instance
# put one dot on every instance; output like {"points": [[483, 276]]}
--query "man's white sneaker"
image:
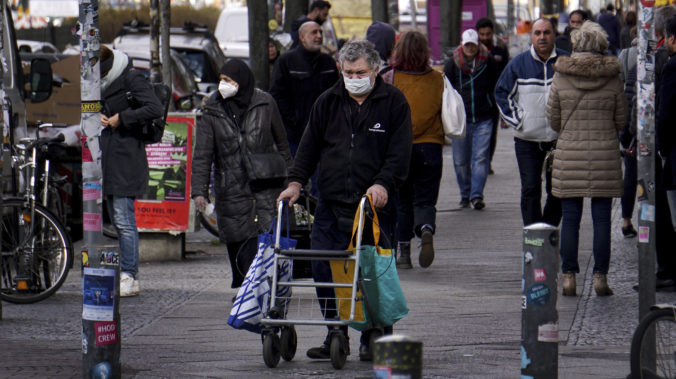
{"points": [[128, 285]]}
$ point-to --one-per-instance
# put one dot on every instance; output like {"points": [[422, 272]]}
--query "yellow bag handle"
{"points": [[375, 225]]}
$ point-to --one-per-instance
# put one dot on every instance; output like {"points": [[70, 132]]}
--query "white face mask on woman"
{"points": [[359, 86], [227, 89]]}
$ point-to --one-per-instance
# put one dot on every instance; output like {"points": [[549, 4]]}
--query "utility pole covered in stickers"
{"points": [[645, 98], [100, 264], [4, 104], [539, 317]]}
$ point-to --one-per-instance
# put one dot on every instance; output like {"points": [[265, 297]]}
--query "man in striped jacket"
{"points": [[521, 95]]}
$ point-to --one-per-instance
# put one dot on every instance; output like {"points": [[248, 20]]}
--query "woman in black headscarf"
{"points": [[242, 135]]}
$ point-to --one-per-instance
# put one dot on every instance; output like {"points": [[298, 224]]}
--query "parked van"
{"points": [[232, 32]]}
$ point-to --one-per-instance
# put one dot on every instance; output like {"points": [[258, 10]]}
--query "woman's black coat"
{"points": [[124, 160], [243, 212]]}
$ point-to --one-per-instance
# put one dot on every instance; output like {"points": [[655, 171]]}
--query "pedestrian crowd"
{"points": [[371, 123]]}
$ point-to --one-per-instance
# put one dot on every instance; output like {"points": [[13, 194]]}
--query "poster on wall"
{"points": [[166, 204]]}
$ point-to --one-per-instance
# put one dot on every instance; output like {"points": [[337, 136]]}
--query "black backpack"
{"points": [[153, 130]]}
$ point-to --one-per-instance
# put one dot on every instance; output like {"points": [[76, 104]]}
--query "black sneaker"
{"points": [[464, 203], [478, 204], [321, 352], [629, 231], [364, 353], [426, 248]]}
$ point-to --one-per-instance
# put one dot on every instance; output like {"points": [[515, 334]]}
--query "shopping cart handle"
{"points": [[310, 253]]}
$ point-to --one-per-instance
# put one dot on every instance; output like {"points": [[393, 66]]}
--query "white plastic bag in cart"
{"points": [[253, 299]]}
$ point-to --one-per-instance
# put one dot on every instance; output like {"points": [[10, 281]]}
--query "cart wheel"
{"points": [[338, 350], [271, 350], [289, 343]]}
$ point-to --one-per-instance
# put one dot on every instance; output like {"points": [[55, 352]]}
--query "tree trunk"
{"points": [[294, 9], [451, 22], [258, 42], [379, 10], [165, 23]]}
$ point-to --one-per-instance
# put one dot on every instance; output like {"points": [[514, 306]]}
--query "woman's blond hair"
{"points": [[590, 37]]}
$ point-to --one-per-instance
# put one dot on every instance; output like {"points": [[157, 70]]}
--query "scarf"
{"points": [[238, 71], [469, 67], [120, 62]]}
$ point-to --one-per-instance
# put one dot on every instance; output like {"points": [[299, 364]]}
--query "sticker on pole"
{"points": [[539, 275], [548, 332], [538, 294], [648, 212], [105, 333], [98, 294], [643, 234], [648, 3]]}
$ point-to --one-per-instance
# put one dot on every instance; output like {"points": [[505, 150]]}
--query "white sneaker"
{"points": [[128, 285]]}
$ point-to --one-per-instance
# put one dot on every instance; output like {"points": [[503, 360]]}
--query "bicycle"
{"points": [[35, 250], [653, 346]]}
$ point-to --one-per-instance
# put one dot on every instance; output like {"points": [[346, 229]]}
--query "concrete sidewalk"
{"points": [[465, 307]]}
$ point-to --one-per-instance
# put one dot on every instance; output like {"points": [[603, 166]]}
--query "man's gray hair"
{"points": [[662, 14], [360, 48], [306, 25], [590, 37]]}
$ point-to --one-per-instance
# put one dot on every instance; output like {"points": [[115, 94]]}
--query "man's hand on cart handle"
{"points": [[378, 194], [292, 192], [200, 203]]}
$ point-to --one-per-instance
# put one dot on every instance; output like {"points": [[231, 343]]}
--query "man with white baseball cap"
{"points": [[473, 73]]}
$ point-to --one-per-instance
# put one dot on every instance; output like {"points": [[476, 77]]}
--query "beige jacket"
{"points": [[587, 108]]}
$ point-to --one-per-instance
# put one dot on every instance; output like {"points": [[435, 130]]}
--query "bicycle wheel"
{"points": [[35, 256], [654, 344]]}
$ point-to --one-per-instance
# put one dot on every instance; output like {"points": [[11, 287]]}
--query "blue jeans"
{"points": [[471, 159], [570, 233], [122, 211], [419, 193], [530, 156], [630, 179]]}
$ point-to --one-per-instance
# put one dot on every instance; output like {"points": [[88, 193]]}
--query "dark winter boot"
{"points": [[404, 258]]}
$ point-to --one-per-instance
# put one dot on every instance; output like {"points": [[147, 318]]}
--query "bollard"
{"points": [[101, 334], [539, 317], [397, 356]]}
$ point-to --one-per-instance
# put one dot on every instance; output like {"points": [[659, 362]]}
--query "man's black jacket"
{"points": [[356, 146], [298, 78]]}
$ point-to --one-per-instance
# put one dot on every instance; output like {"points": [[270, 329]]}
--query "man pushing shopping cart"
{"points": [[359, 136]]}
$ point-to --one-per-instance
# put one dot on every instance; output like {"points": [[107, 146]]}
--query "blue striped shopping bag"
{"points": [[253, 299]]}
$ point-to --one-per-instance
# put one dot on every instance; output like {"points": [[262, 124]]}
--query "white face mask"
{"points": [[227, 89], [358, 87]]}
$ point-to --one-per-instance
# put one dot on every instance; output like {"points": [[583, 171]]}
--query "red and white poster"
{"points": [[166, 205]]}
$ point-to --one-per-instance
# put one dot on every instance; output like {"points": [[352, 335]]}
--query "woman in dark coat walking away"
{"points": [[123, 153], [239, 124]]}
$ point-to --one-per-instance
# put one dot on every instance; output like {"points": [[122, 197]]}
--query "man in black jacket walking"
{"points": [[360, 134], [298, 78]]}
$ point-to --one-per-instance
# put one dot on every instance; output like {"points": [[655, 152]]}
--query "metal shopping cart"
{"points": [[303, 303]]}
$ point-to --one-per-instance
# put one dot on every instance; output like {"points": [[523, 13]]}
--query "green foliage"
{"points": [[111, 19]]}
